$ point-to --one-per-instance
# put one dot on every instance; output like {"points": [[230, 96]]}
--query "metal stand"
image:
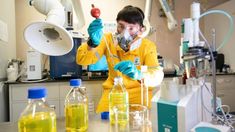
{"points": [[213, 66]]}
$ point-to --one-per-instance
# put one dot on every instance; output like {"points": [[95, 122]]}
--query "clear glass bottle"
{"points": [[118, 103], [76, 108], [37, 116]]}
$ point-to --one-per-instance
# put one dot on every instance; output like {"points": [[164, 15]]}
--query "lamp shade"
{"points": [[48, 38]]}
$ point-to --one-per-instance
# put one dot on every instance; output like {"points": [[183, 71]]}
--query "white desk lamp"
{"points": [[49, 37]]}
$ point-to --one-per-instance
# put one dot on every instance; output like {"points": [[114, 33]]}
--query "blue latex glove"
{"points": [[129, 69], [95, 31]]}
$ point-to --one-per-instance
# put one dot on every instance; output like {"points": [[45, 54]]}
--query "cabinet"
{"points": [[225, 85], [56, 95]]}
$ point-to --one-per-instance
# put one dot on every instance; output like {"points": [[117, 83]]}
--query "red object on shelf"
{"points": [[184, 78], [193, 72], [95, 12]]}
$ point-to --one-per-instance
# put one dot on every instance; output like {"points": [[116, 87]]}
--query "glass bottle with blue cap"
{"points": [[76, 107], [37, 115]]}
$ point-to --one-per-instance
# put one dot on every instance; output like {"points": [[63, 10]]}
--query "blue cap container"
{"points": [[105, 115], [37, 92], [75, 82]]}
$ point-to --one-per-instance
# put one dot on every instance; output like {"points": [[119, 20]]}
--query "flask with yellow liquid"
{"points": [[118, 103], [76, 108], [37, 116]]}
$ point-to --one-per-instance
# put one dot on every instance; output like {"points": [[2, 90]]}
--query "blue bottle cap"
{"points": [[75, 82], [104, 115], [37, 92]]}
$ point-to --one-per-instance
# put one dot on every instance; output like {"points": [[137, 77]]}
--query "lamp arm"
{"points": [[147, 13], [171, 21], [53, 9]]}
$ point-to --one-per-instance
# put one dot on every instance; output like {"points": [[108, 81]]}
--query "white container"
{"points": [[169, 91], [11, 74], [34, 65]]}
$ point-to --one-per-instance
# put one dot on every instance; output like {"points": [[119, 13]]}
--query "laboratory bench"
{"points": [[95, 125], [225, 89], [51, 80], [57, 90]]}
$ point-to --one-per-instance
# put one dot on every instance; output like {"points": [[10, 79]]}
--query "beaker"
{"points": [[120, 121], [137, 120], [137, 115]]}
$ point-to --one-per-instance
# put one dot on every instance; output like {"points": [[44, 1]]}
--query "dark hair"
{"points": [[131, 15]]}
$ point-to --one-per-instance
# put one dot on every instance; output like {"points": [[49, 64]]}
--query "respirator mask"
{"points": [[124, 39]]}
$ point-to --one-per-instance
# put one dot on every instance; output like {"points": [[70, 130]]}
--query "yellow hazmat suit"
{"points": [[142, 53]]}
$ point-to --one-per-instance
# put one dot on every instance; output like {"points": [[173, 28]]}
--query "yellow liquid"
{"points": [[40, 122], [76, 118], [120, 101]]}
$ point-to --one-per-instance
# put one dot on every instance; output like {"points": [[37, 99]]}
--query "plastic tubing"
{"points": [[231, 28]]}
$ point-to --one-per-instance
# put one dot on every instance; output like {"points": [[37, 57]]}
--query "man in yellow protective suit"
{"points": [[125, 53]]}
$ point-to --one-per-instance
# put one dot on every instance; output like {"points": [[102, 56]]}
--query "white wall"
{"points": [[7, 49], [107, 14], [221, 24], [25, 14]]}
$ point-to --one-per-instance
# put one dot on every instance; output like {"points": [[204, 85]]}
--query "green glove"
{"points": [[95, 31], [129, 69]]}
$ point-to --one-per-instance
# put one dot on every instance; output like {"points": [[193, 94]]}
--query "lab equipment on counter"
{"points": [[208, 127], [98, 70], [137, 120], [34, 65], [37, 116], [119, 119], [76, 107], [12, 74], [91, 106], [188, 111], [65, 66], [137, 116], [104, 115], [169, 91], [118, 104], [13, 69], [200, 56]]}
